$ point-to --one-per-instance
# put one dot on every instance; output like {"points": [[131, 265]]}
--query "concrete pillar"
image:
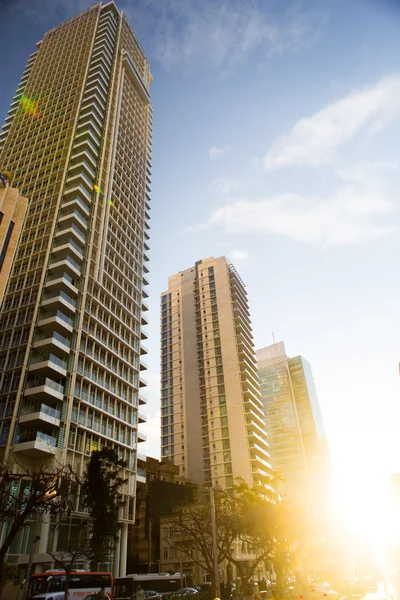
{"points": [[117, 553], [124, 549], [44, 533]]}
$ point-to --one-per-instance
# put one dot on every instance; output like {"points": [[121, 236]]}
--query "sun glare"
{"points": [[368, 511]]}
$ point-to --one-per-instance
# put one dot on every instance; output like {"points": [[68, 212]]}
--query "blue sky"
{"points": [[276, 128]]}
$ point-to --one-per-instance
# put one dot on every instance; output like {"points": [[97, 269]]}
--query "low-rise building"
{"points": [[159, 489]]}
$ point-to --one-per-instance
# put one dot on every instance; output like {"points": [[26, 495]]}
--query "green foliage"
{"points": [[102, 494]]}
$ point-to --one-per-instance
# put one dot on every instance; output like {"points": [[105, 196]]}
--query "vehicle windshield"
{"points": [[45, 584]]}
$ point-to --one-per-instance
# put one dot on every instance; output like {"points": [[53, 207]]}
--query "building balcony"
{"points": [[64, 248], [82, 156], [143, 320], [250, 388], [45, 389], [258, 461], [141, 417], [145, 306], [65, 234], [141, 437], [141, 476], [256, 438], [40, 415], [56, 321], [143, 335], [59, 300], [35, 444], [142, 400], [143, 365], [142, 381], [69, 217], [48, 365], [64, 281], [74, 202], [67, 264], [56, 343], [143, 349]]}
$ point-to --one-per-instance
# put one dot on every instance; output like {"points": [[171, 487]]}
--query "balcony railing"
{"points": [[35, 436], [61, 294], [43, 408], [38, 358], [57, 387], [42, 335]]}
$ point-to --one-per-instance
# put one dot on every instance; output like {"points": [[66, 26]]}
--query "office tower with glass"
{"points": [[212, 422], [77, 140], [294, 423]]}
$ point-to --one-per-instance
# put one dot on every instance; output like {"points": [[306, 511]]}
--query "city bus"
{"points": [[81, 584], [164, 584]]}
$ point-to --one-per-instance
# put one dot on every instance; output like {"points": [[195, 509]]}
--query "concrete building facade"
{"points": [[78, 141], [212, 422], [12, 214]]}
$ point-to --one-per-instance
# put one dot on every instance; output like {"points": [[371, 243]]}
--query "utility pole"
{"points": [[215, 545], [150, 528], [30, 562], [180, 548]]}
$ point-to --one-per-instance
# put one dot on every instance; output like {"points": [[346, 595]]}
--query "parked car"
{"points": [[152, 594], [93, 597], [323, 590], [188, 591]]}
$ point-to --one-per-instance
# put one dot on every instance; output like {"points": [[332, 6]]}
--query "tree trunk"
{"points": [[278, 568], [67, 576]]}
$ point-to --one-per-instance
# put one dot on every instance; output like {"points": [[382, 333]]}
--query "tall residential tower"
{"points": [[77, 142], [212, 423]]}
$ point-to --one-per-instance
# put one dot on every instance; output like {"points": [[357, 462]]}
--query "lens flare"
{"points": [[30, 106], [97, 189]]}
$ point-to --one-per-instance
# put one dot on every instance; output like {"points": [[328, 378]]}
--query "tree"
{"points": [[25, 493], [247, 519], [191, 525], [102, 495], [252, 517], [66, 559]]}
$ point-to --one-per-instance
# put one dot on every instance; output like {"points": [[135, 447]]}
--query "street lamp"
{"points": [[214, 540]]}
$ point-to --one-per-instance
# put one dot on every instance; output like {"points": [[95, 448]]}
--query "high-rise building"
{"points": [[294, 423], [12, 213], [78, 140], [212, 422]]}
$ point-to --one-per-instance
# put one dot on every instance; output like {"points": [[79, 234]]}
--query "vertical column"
{"points": [[117, 553], [44, 533], [124, 549]]}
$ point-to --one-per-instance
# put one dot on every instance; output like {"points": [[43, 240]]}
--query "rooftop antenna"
{"points": [[273, 337]]}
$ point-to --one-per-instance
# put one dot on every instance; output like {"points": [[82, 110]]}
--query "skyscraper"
{"points": [[294, 423], [77, 141], [212, 423]]}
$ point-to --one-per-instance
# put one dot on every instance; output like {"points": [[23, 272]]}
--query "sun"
{"points": [[368, 511]]}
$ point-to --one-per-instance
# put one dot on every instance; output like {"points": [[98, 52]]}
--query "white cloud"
{"points": [[216, 152], [314, 140], [220, 34], [344, 218], [238, 257], [223, 185]]}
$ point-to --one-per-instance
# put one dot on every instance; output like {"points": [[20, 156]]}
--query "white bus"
{"points": [[164, 584]]}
